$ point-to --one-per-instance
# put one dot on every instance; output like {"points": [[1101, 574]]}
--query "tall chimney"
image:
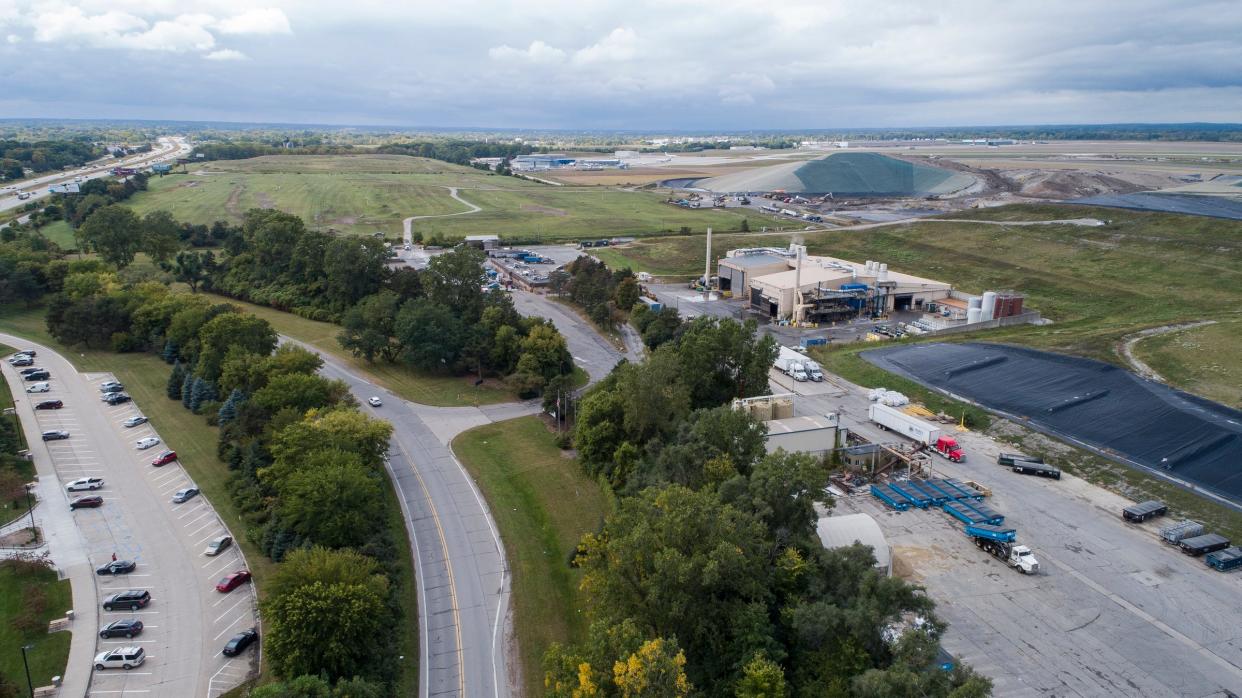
{"points": [[797, 294], [707, 264]]}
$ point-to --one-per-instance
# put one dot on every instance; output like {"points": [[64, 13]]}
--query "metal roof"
{"points": [[754, 260], [843, 531]]}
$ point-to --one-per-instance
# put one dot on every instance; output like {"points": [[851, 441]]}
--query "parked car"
{"points": [[55, 435], [134, 421], [39, 388], [117, 567], [21, 361], [107, 385], [233, 581], [84, 483], [40, 375], [133, 599], [49, 405], [121, 658], [88, 502], [30, 370], [164, 458], [185, 495], [26, 352], [374, 401], [128, 627], [239, 642], [116, 398], [218, 545], [147, 442]]}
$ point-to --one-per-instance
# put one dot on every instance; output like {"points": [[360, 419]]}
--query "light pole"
{"points": [[29, 683], [30, 509]]}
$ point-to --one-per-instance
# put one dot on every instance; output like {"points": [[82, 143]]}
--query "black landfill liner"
{"points": [[1183, 436]]}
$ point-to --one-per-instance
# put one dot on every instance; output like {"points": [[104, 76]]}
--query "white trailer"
{"points": [[911, 427], [791, 363]]}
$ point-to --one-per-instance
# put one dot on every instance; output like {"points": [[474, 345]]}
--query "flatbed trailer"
{"points": [[919, 500], [1030, 468], [998, 533], [1138, 513], [1225, 560], [934, 495], [976, 494], [989, 514], [1208, 543], [885, 494]]}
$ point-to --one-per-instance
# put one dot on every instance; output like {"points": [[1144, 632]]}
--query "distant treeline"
{"points": [[456, 152], [1087, 132], [44, 156], [243, 150]]}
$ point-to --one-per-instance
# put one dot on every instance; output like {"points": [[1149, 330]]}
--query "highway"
{"points": [[187, 621], [168, 148]]}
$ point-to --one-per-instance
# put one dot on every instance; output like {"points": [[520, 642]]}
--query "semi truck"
{"points": [[1001, 544], [1138, 513], [793, 364], [813, 371], [911, 427]]}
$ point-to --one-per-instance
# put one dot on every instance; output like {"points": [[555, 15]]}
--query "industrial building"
{"points": [[811, 434], [844, 531], [483, 242], [789, 284]]}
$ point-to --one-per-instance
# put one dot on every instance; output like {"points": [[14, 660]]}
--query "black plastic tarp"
{"points": [[1106, 407]]}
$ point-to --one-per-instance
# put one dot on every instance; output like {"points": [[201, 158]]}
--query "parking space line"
{"points": [[187, 524], [230, 627], [191, 511], [240, 601], [174, 487], [231, 561], [196, 531]]}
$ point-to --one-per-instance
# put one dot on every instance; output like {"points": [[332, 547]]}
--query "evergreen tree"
{"points": [[198, 394], [228, 411], [175, 380], [170, 353], [187, 387]]}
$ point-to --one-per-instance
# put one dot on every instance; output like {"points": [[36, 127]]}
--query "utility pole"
{"points": [[29, 683]]}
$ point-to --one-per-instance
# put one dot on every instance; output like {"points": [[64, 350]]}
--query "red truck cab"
{"points": [[947, 446]]}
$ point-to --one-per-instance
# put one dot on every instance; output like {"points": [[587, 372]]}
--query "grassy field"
{"points": [[543, 504], [61, 234], [1203, 360], [145, 377], [366, 193], [50, 651], [409, 384]]}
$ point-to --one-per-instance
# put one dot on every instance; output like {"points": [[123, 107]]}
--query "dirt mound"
{"points": [[1074, 184]]}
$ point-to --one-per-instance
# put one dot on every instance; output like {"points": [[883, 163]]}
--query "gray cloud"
{"points": [[625, 63]]}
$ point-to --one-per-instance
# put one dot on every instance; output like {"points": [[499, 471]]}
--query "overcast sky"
{"points": [[625, 64]]}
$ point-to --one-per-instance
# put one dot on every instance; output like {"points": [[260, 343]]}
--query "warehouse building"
{"points": [[789, 284], [844, 531], [812, 434]]}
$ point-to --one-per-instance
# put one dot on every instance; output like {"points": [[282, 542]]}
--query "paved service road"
{"points": [[590, 350], [187, 621], [1113, 611], [463, 579]]}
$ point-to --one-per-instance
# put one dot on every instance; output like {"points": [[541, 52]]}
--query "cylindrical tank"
{"points": [[868, 265], [972, 315], [974, 302], [883, 267], [989, 305]]}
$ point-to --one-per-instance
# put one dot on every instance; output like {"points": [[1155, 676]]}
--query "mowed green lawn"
{"points": [[412, 385], [543, 505], [50, 652], [61, 234], [1205, 360], [361, 194]]}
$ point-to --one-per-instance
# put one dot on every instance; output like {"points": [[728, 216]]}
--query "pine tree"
{"points": [[187, 387], [228, 411], [170, 352], [198, 393], [175, 379]]}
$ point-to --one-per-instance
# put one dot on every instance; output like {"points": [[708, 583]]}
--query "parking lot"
{"points": [[186, 622], [1112, 611]]}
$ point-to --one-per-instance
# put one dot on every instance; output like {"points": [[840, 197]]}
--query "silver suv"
{"points": [[121, 658]]}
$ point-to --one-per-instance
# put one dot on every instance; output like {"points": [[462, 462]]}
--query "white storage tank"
{"points": [[974, 302], [989, 305], [973, 315]]}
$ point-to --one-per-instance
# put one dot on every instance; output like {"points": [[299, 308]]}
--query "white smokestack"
{"points": [[707, 265]]}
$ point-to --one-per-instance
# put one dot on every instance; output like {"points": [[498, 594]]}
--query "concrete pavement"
{"points": [[590, 350]]}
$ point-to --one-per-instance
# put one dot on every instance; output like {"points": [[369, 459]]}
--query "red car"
{"points": [[87, 501], [233, 581], [164, 458]]}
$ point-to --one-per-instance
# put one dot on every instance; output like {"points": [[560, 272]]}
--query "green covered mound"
{"points": [[845, 174]]}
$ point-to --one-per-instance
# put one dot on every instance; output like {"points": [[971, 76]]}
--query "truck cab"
{"points": [[797, 371], [812, 371], [1021, 558], [948, 447]]}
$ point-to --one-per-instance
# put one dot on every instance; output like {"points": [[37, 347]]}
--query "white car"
{"points": [[374, 401], [135, 421], [84, 483], [120, 658], [104, 386], [39, 387], [148, 442]]}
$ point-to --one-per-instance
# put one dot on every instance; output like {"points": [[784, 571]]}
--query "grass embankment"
{"points": [[10, 510], [361, 194], [145, 377], [427, 389], [19, 584], [60, 233], [1204, 360], [543, 504]]}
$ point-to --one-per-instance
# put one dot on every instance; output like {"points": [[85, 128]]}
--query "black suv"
{"points": [[38, 376], [122, 628], [133, 599], [49, 405], [239, 642], [116, 398]]}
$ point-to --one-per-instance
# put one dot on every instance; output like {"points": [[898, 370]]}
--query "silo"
{"points": [[881, 272], [975, 302], [989, 305], [972, 315]]}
